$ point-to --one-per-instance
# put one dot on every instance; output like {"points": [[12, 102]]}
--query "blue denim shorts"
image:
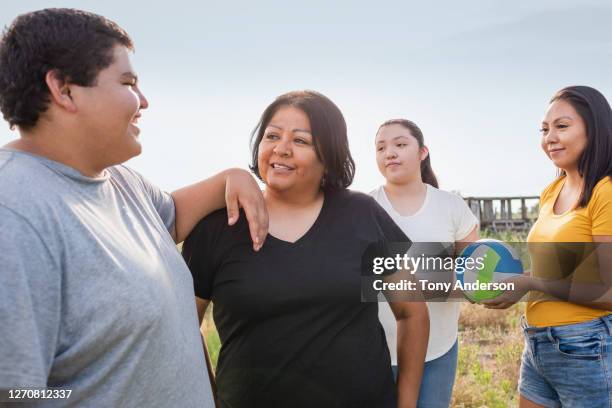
{"points": [[569, 366]]}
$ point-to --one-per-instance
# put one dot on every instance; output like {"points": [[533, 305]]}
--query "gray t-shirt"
{"points": [[94, 296]]}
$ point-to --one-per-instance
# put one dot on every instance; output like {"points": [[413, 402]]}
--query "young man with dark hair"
{"points": [[94, 297]]}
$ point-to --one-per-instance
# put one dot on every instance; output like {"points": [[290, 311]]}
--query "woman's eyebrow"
{"points": [[129, 75], [293, 130], [562, 117], [393, 138], [557, 119], [302, 130]]}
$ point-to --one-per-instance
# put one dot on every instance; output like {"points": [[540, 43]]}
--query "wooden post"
{"points": [[485, 208], [489, 215]]}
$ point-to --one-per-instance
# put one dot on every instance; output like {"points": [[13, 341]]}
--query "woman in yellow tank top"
{"points": [[567, 360]]}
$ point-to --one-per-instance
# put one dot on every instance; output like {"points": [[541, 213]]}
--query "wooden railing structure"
{"points": [[496, 212]]}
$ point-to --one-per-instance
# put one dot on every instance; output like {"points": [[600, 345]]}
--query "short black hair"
{"points": [[329, 135], [596, 160], [75, 43]]}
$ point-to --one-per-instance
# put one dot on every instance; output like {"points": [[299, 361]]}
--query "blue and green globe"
{"points": [[483, 266]]}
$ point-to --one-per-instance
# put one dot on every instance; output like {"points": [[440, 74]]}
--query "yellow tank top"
{"points": [[577, 225]]}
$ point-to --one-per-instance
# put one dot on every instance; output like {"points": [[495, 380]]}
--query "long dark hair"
{"points": [[329, 136], [427, 174], [596, 160]]}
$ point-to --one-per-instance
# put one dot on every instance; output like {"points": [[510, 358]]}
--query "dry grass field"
{"points": [[491, 343]]}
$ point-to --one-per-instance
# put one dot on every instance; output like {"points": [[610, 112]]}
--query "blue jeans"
{"points": [[438, 380], [568, 365]]}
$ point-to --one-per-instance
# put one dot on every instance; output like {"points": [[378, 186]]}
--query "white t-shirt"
{"points": [[443, 217]]}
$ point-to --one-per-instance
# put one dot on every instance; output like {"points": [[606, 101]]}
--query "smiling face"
{"points": [[287, 158], [398, 154], [564, 135], [109, 110]]}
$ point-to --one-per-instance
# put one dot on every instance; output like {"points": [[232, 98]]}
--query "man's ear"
{"points": [[59, 89]]}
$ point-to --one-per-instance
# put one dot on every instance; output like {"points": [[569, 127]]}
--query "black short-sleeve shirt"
{"points": [[293, 329]]}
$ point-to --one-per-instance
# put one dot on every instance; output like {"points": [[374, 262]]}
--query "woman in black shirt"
{"points": [[293, 328]]}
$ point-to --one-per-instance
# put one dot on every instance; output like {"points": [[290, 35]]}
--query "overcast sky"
{"points": [[476, 76]]}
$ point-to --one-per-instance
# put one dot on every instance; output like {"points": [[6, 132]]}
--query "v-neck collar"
{"points": [[311, 231]]}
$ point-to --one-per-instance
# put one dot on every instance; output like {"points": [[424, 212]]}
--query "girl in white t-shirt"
{"points": [[425, 214]]}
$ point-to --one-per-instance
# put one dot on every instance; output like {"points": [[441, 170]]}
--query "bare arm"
{"points": [[412, 319], [595, 295], [412, 337], [461, 244], [231, 188], [201, 305]]}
